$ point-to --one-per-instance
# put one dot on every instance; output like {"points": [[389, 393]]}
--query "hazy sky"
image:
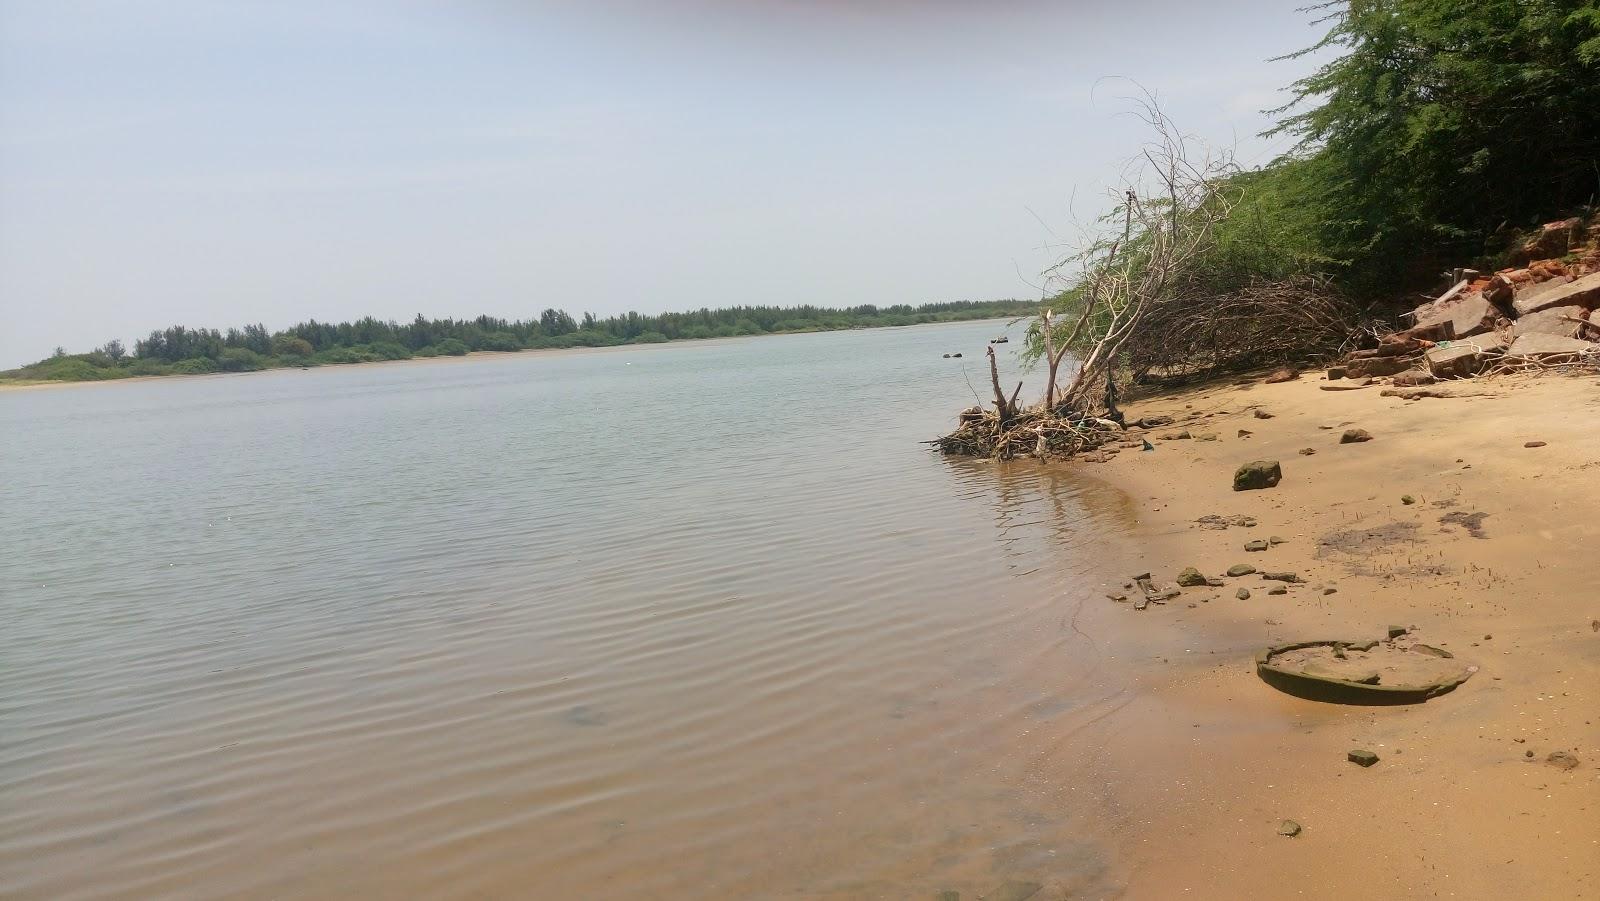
{"points": [[215, 163]]}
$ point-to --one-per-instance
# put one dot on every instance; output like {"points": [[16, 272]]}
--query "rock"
{"points": [[1556, 321], [1277, 589], [1260, 544], [1468, 315], [1263, 414], [1335, 373], [1276, 539], [1242, 594], [1584, 292], [1553, 239], [1013, 890], [1397, 631], [1206, 436], [1325, 671], [1413, 378], [1355, 436], [1245, 433], [1117, 597], [1307, 451], [1240, 569], [1289, 828], [1191, 578], [1330, 590], [1464, 358], [1282, 374], [1362, 757], [1213, 521], [1374, 366], [1563, 760], [1351, 387], [1215, 582], [1142, 577], [1281, 576], [1533, 444], [1549, 348], [1407, 499], [1151, 422], [1257, 474]]}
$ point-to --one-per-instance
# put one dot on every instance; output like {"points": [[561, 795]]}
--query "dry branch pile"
{"points": [[1031, 433]]}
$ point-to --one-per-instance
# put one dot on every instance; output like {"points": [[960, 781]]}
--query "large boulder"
{"points": [[1467, 315], [1464, 358], [1549, 348], [1257, 474], [1548, 321], [1583, 292]]}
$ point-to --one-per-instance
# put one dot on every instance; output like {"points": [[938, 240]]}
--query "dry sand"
{"points": [[1205, 764]]}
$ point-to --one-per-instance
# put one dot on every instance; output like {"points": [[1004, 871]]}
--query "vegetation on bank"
{"points": [[189, 351], [1437, 135]]}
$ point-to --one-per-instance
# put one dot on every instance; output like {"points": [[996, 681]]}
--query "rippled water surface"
{"points": [[689, 621]]}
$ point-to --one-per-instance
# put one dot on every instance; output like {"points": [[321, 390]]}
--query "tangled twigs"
{"points": [[1030, 433]]}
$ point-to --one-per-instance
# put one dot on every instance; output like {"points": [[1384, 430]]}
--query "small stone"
{"points": [[1282, 374], [1307, 451], [1276, 539], [1488, 638], [1407, 499], [1563, 760], [1242, 594], [1260, 544], [1240, 569], [1362, 757], [1141, 577], [1277, 589], [1117, 597], [1245, 433], [1533, 444], [1206, 436], [1289, 828], [1330, 591], [1191, 578], [1257, 474], [1263, 414], [1397, 631], [1355, 436], [1281, 577], [1528, 754], [1215, 582]]}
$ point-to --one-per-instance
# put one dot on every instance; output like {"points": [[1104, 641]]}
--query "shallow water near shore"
{"points": [[693, 621]]}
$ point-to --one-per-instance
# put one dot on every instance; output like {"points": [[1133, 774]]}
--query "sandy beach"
{"points": [[1203, 766]]}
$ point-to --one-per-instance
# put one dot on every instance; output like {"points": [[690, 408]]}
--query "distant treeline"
{"points": [[187, 351]]}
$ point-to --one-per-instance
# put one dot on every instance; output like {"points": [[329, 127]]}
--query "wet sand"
{"points": [[1201, 768]]}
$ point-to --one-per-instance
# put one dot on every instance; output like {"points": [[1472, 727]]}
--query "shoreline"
{"points": [[1203, 764], [36, 384]]}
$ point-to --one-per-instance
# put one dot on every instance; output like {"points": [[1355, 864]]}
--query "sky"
{"points": [[217, 163]]}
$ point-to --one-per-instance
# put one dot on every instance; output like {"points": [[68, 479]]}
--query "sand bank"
{"points": [[1203, 766]]}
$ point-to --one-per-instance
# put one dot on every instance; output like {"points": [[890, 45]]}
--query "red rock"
{"points": [[1282, 374], [1376, 366]]}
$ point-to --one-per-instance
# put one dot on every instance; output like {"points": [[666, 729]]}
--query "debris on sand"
{"points": [[1472, 522]]}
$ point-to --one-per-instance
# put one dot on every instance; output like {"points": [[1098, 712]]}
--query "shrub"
{"points": [[451, 347], [194, 366], [500, 341], [240, 359], [291, 346]]}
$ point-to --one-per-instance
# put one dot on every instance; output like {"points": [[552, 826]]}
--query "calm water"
{"points": [[691, 621]]}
